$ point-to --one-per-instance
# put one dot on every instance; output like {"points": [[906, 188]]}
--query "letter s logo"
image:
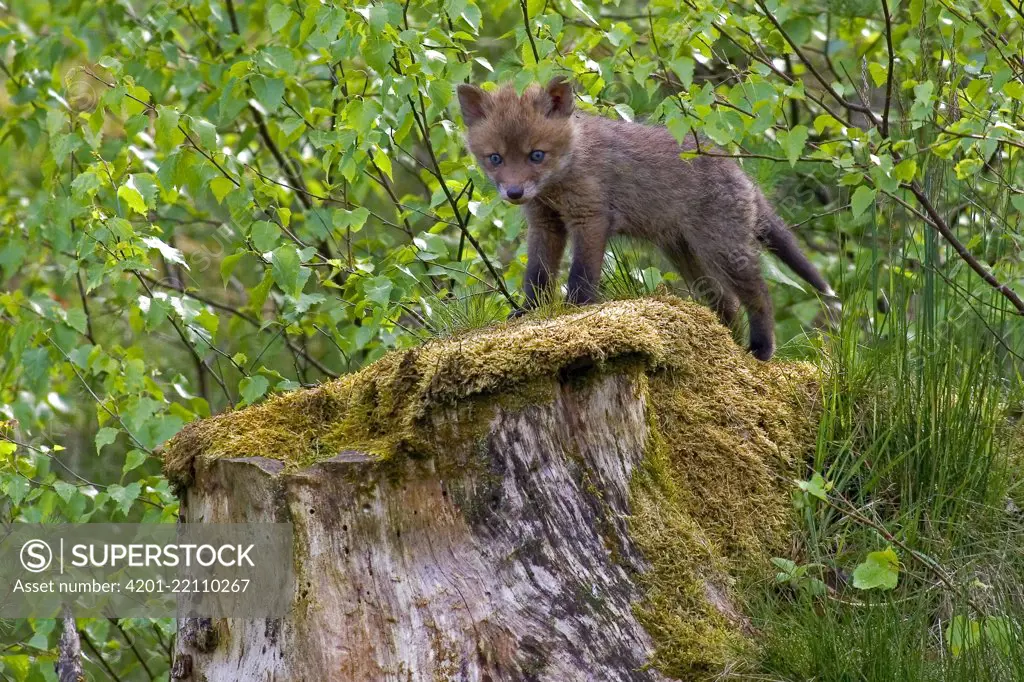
{"points": [[36, 556]]}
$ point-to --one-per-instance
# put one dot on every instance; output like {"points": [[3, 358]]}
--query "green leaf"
{"points": [[353, 220], [278, 16], [65, 490], [585, 11], [526, 53], [1002, 633], [268, 91], [962, 634], [133, 461], [16, 487], [77, 320], [18, 665], [968, 168], [220, 188], [167, 134], [798, 29], [124, 496], [264, 235], [205, 131], [86, 184], [823, 121], [787, 569], [170, 254], [208, 321], [816, 487], [40, 640], [879, 73], [863, 197], [793, 142], [105, 437], [287, 269], [378, 17], [253, 388], [923, 100], [683, 68], [1018, 202], [228, 265], [625, 111], [383, 161], [773, 273], [881, 571], [905, 170], [378, 290], [132, 198], [11, 257]]}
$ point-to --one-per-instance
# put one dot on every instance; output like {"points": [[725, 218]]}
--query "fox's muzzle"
{"points": [[516, 194]]}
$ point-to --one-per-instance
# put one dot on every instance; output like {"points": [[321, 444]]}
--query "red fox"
{"points": [[589, 177]]}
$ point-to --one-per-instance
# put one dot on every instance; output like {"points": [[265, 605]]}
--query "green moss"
{"points": [[711, 504], [391, 406]]}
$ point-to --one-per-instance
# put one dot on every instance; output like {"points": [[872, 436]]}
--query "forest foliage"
{"points": [[202, 204]]}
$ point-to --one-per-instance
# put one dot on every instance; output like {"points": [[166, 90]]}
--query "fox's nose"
{"points": [[514, 192]]}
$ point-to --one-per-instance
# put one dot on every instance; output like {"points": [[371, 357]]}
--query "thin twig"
{"points": [[529, 33], [96, 652], [892, 67], [131, 643]]}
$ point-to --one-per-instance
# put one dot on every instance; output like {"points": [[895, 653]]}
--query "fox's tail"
{"points": [[781, 242], [774, 234]]}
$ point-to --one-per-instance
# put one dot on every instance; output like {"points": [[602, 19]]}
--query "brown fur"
{"points": [[600, 177]]}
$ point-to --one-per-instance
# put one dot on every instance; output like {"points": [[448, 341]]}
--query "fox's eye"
{"points": [[536, 156], [495, 159]]}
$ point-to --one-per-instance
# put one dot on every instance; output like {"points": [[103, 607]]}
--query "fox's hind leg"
{"points": [[705, 287], [727, 306], [733, 277], [748, 283]]}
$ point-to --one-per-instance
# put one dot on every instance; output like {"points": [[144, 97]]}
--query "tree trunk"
{"points": [[549, 528]]}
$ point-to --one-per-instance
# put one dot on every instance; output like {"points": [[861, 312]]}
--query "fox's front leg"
{"points": [[588, 241], [545, 243]]}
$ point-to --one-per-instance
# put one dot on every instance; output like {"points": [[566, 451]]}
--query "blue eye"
{"points": [[495, 159], [536, 156]]}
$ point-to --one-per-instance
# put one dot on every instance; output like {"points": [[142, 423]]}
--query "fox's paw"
{"points": [[763, 353], [762, 348]]}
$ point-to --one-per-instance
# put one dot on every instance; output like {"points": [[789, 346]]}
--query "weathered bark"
{"points": [[69, 660], [506, 551], [500, 573]]}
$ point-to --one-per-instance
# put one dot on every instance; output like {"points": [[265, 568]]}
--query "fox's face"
{"points": [[521, 142]]}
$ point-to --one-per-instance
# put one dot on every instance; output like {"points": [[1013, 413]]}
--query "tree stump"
{"points": [[573, 498]]}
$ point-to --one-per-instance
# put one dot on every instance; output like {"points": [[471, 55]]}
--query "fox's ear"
{"points": [[559, 92], [474, 102]]}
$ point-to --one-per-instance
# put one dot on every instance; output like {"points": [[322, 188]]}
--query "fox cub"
{"points": [[588, 177]]}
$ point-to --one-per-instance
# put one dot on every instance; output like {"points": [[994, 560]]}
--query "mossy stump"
{"points": [[575, 498]]}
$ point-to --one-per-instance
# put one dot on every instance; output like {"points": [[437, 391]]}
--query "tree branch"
{"points": [[940, 225]]}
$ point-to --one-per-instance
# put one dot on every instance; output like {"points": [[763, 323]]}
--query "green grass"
{"points": [[920, 441], [474, 309]]}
